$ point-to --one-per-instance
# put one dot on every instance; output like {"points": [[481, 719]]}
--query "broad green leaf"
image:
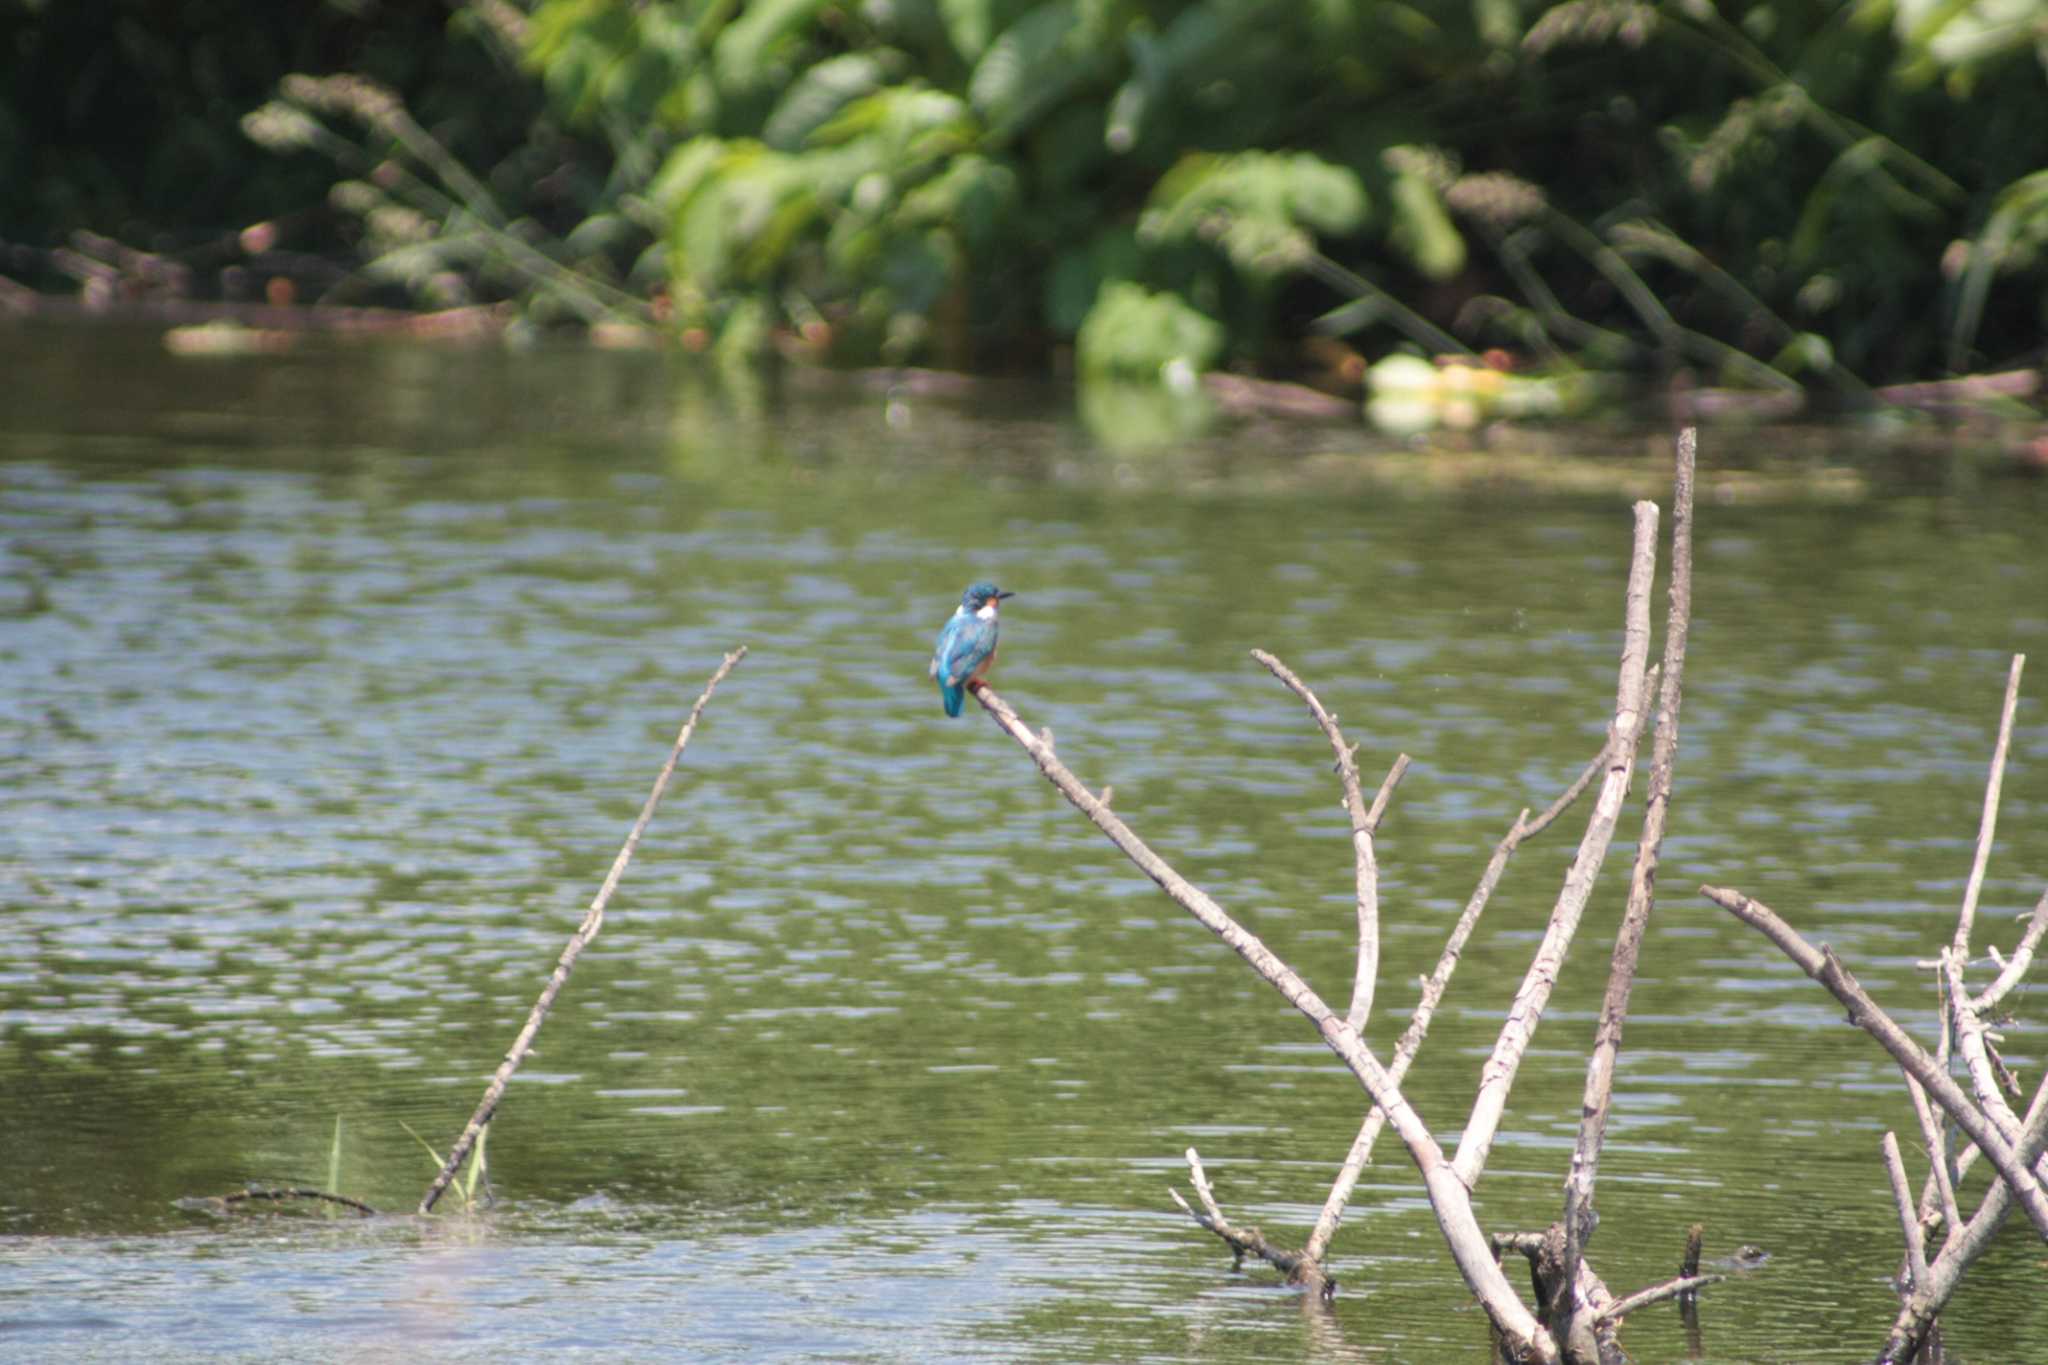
{"points": [[816, 96], [974, 197], [1257, 206], [973, 24], [683, 172], [1133, 333], [746, 51], [1035, 64]]}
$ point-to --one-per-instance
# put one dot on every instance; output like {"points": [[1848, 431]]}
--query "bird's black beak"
{"points": [[1002, 595]]}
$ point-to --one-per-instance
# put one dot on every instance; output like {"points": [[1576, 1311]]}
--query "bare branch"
{"points": [[1579, 1217], [1909, 1220], [1247, 1241], [1985, 1073], [1937, 1155], [1932, 1292], [1497, 1077], [1656, 1293], [1822, 965], [1449, 1197], [593, 920], [1363, 823], [2015, 967], [1385, 793], [1988, 823], [1433, 987]]}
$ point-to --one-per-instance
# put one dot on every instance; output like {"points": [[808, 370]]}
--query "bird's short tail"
{"points": [[953, 696]]}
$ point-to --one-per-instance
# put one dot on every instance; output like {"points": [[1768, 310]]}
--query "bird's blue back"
{"points": [[964, 645], [967, 643]]}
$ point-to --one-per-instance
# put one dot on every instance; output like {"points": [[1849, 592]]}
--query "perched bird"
{"points": [[967, 646]]}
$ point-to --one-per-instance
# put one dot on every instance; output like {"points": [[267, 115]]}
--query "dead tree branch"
{"points": [[1449, 1196], [593, 920], [1987, 824], [1247, 1241], [1448, 1184], [1941, 1180], [1364, 823], [1656, 1293], [1909, 1219], [1987, 1075], [1823, 966], [2012, 969], [1931, 1292], [1579, 1216], [1497, 1077], [1433, 987]]}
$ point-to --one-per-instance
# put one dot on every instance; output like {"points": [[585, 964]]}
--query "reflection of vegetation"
{"points": [[1772, 195]]}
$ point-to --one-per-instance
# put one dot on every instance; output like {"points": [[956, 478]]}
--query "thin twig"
{"points": [[1579, 1216], [1937, 1155], [1909, 1220], [2015, 967], [1823, 966], [1497, 1076], [1246, 1241], [1976, 1049], [1656, 1293], [1988, 823], [1366, 873], [593, 920]]}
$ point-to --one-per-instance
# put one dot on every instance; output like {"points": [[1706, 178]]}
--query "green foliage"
{"points": [[1755, 193], [1769, 194], [1132, 333], [962, 178]]}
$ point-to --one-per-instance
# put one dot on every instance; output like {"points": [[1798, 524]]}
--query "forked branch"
{"points": [[1450, 1197], [1823, 966], [1364, 824]]}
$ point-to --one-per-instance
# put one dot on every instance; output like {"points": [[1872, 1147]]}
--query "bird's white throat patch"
{"points": [[987, 610]]}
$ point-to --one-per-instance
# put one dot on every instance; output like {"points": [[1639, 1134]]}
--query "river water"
{"points": [[331, 681]]}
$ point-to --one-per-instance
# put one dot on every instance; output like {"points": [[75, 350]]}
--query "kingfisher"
{"points": [[967, 646]]}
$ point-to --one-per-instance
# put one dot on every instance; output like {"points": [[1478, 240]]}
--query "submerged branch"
{"points": [[593, 920], [1247, 1241], [279, 1195]]}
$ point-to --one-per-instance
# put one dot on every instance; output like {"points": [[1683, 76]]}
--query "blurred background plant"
{"points": [[1782, 197]]}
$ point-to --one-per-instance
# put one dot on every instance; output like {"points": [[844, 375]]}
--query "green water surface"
{"points": [[330, 682]]}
